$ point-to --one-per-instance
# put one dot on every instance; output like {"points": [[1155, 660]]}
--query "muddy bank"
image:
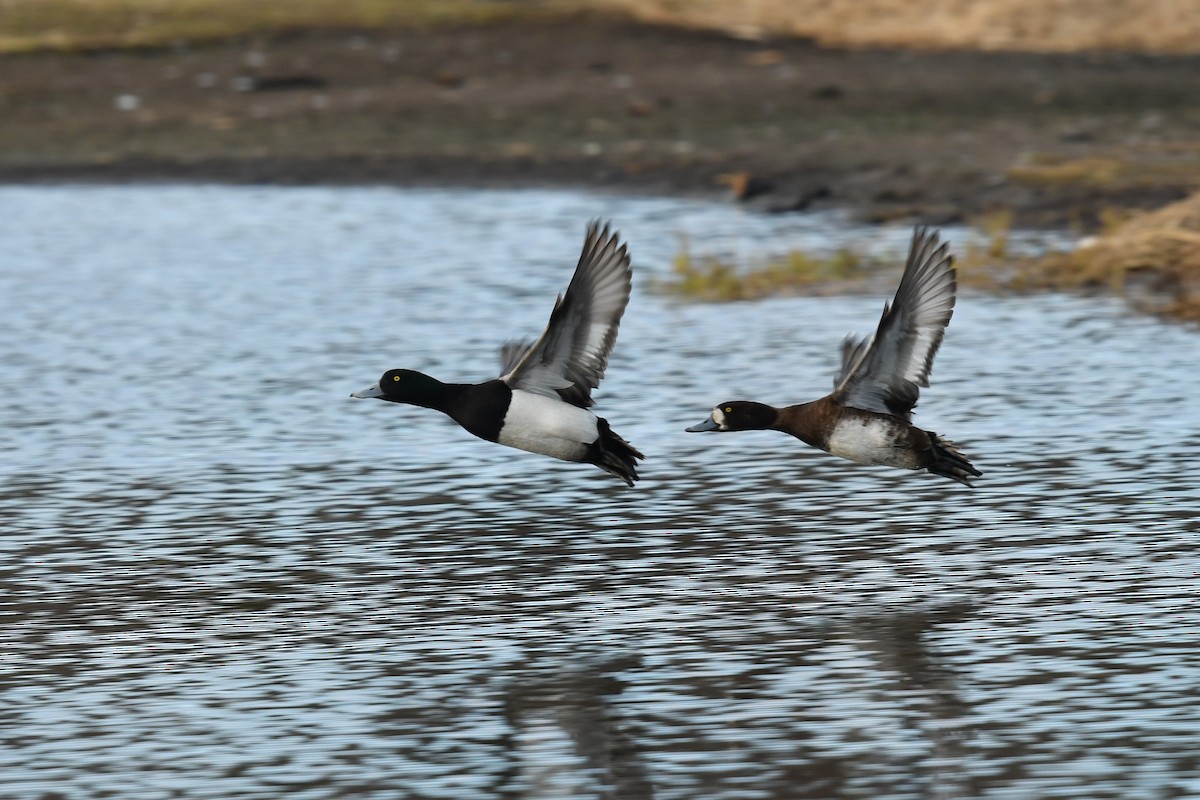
{"points": [[784, 125]]}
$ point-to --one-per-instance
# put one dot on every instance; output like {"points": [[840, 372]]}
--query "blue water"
{"points": [[220, 577]]}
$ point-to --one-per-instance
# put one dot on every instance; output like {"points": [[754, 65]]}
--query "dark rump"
{"points": [[613, 454]]}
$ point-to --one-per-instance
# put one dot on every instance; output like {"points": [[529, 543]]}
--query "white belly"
{"points": [[548, 426], [867, 441]]}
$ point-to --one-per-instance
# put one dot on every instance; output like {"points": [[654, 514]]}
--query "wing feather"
{"points": [[885, 372], [511, 353], [570, 357], [853, 350]]}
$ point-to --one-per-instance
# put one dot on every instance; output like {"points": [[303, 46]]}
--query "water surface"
{"points": [[222, 578]]}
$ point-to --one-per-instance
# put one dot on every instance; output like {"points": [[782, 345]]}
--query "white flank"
{"points": [[548, 426], [864, 441]]}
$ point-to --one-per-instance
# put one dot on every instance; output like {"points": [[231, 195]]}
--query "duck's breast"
{"points": [[548, 426]]}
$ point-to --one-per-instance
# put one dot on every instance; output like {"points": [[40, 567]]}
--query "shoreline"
{"points": [[782, 125], [869, 196]]}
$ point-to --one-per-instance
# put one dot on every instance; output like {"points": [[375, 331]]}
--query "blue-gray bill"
{"points": [[707, 425], [370, 391]]}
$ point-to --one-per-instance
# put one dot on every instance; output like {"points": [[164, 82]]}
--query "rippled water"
{"points": [[223, 578]]}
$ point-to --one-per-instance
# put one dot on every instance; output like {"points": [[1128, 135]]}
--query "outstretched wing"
{"points": [[570, 357], [511, 354], [884, 372], [853, 350]]}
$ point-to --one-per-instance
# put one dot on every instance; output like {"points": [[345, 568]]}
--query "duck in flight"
{"points": [[541, 401], [868, 417]]}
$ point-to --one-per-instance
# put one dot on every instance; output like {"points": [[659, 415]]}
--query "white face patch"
{"points": [[718, 416]]}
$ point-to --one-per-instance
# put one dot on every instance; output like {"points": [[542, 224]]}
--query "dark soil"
{"points": [[937, 137]]}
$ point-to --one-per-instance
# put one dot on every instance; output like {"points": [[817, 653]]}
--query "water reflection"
{"points": [[223, 580], [573, 702]]}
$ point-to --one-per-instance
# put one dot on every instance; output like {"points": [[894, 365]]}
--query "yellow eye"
{"points": [[395, 377], [728, 409]]}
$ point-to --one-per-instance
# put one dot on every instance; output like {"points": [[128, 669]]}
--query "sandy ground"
{"points": [[785, 125]]}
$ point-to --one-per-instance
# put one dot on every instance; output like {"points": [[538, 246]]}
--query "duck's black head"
{"points": [[405, 386], [738, 415]]}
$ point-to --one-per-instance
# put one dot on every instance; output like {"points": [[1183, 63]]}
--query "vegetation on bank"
{"points": [[79, 25], [1030, 25], [1163, 166], [1151, 259], [709, 278]]}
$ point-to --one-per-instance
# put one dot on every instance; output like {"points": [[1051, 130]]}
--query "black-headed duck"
{"points": [[540, 402], [868, 417]]}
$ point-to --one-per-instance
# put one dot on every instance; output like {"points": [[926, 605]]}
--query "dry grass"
{"points": [[1102, 171], [708, 278], [1031, 25], [1152, 259], [711, 279], [1092, 171], [28, 25], [989, 266]]}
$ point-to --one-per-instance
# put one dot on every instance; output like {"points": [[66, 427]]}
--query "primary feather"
{"points": [[570, 357], [884, 372], [511, 354]]}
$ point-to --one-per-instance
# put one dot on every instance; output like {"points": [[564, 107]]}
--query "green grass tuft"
{"points": [[709, 278]]}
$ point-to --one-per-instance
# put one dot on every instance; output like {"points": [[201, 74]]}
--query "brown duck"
{"points": [[868, 417]]}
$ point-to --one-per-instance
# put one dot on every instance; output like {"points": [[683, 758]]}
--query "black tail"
{"points": [[613, 454], [947, 460]]}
